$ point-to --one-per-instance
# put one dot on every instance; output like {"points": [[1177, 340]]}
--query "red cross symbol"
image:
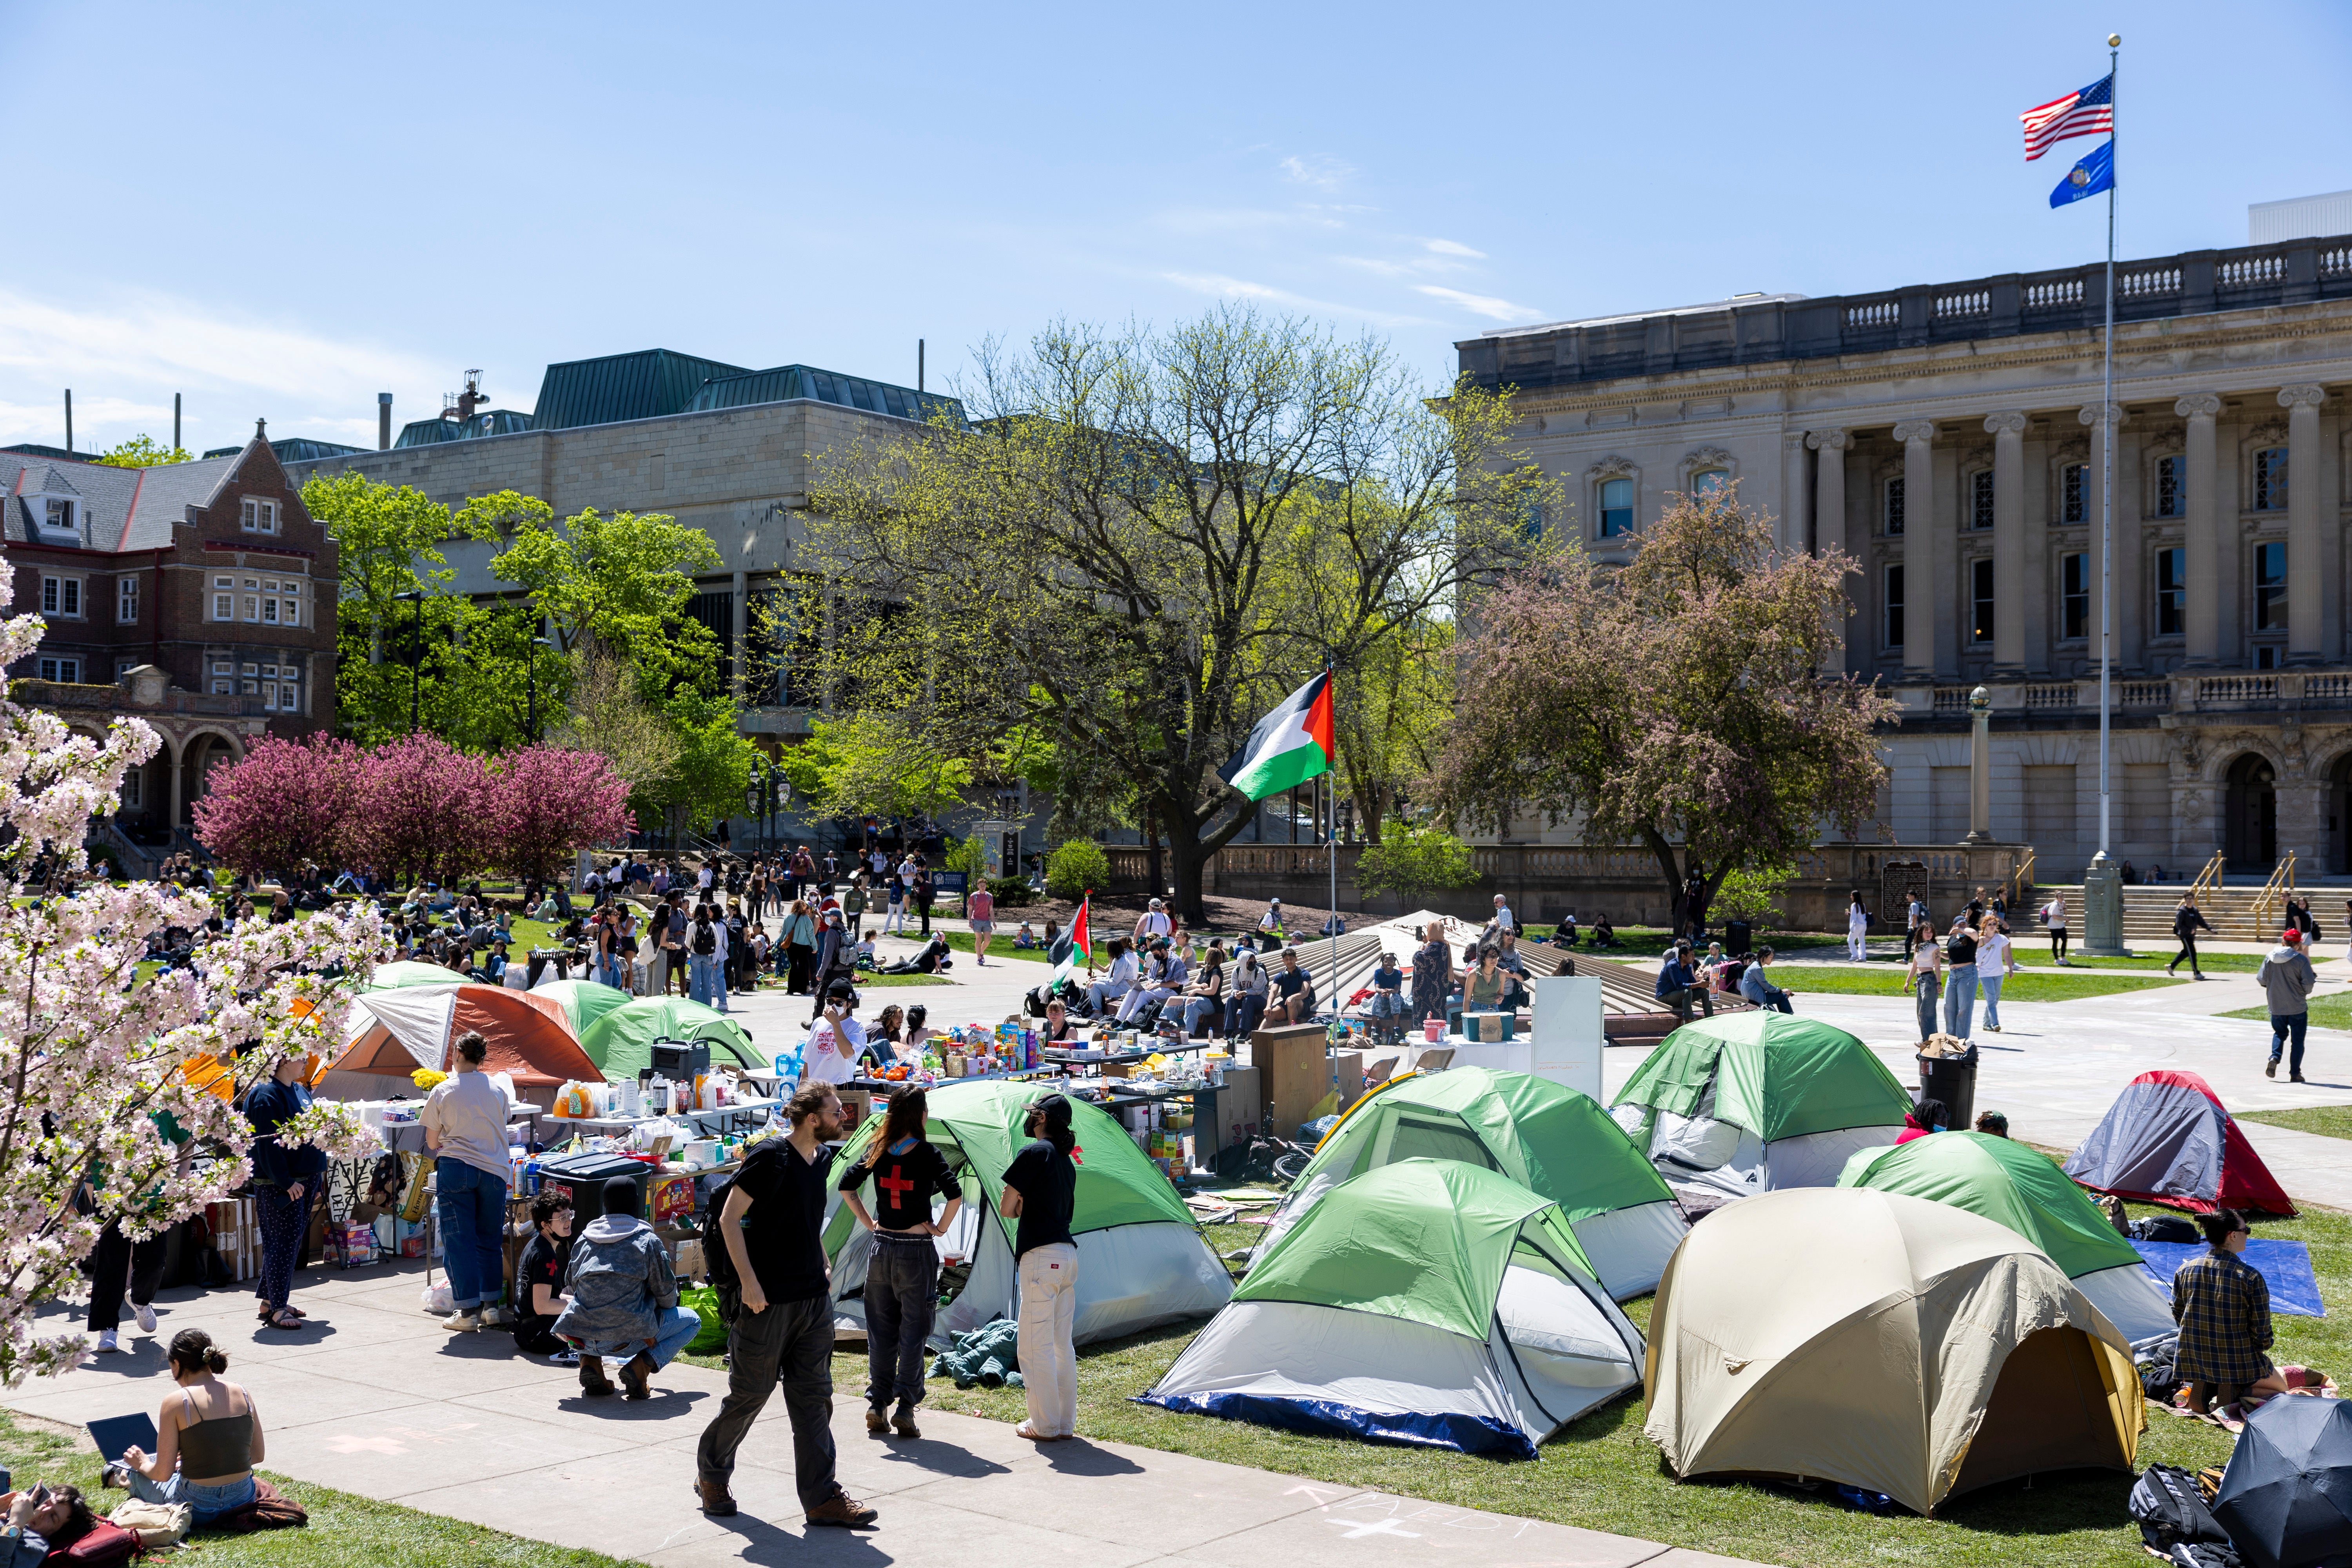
{"points": [[897, 1186]]}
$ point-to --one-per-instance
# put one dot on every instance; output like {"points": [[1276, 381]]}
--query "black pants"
{"points": [[533, 1337], [117, 1260], [923, 908], [2057, 941], [790, 1344], [2188, 952], [1908, 938], [902, 1286], [796, 964]]}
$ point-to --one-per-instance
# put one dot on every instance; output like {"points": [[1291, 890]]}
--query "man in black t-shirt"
{"points": [[539, 1282], [772, 1228], [1293, 989], [1041, 1190]]}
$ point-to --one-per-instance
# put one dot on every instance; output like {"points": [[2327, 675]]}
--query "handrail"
{"points": [[2281, 885], [2021, 881], [2209, 877]]}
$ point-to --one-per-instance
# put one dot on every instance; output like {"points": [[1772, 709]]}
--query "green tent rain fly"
{"points": [[1751, 1103], [621, 1042], [1554, 1141], [583, 1001], [1141, 1261], [2009, 1183], [1427, 1302]]}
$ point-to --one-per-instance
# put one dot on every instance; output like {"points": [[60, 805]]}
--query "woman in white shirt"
{"points": [[1996, 960], [1857, 930], [1118, 982], [1926, 975]]}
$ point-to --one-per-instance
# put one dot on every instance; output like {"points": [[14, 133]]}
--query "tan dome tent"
{"points": [[1895, 1344]]}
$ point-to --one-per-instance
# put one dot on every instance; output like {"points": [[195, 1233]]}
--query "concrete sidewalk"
{"points": [[376, 1398]]}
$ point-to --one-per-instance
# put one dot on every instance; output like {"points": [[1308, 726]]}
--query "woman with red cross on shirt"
{"points": [[902, 1273]]}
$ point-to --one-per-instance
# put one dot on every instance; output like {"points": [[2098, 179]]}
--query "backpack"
{"points": [[725, 1282], [705, 940], [2171, 1511], [105, 1545]]}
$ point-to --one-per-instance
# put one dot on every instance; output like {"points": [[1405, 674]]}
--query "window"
{"points": [[2270, 587], [252, 601], [130, 782], [1708, 481], [1895, 606], [1981, 498], [1980, 599], [60, 596], [2266, 657], [224, 666], [2171, 481], [58, 514], [269, 612], [1616, 508], [68, 670], [224, 601], [126, 600], [253, 669], [289, 701], [2171, 569], [252, 688], [1895, 506], [2074, 596], [260, 517], [1533, 518], [2075, 493], [223, 688], [290, 610], [2270, 480]]}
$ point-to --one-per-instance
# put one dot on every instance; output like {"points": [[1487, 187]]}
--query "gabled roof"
{"points": [[605, 391], [122, 509]]}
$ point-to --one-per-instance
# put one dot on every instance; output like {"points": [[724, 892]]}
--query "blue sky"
{"points": [[285, 210]]}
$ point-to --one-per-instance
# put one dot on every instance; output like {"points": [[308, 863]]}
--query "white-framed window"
{"points": [[252, 599], [2171, 592], [2073, 596], [251, 670], [223, 598], [60, 596], [252, 688], [289, 699], [2270, 586], [131, 780], [269, 608], [1616, 508], [126, 600], [2270, 480], [1894, 508], [1981, 498], [2075, 493], [1708, 481], [68, 670], [1980, 599], [1894, 635], [58, 515], [223, 688], [2171, 486], [260, 516], [289, 606]]}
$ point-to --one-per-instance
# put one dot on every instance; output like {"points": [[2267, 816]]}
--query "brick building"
{"points": [[198, 596]]}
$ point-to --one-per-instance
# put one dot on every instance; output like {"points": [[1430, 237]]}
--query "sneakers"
{"points": [[715, 1499], [107, 1341], [1993, 1028], [2270, 1067], [877, 1422], [462, 1322], [565, 1358], [903, 1423], [145, 1315], [2295, 1078], [593, 1381], [841, 1509], [637, 1377]]}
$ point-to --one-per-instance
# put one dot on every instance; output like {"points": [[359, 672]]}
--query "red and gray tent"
{"points": [[2167, 1140]]}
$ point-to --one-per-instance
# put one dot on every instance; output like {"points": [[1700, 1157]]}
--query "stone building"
{"points": [[1948, 436], [198, 596]]}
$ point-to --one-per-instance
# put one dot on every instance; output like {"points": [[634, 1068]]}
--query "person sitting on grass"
{"points": [[539, 1282], [865, 949], [932, 959], [623, 1298], [1603, 933], [208, 1438], [2223, 1307], [1024, 939], [1563, 935]]}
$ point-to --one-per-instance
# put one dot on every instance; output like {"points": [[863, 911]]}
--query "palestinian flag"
{"points": [[1290, 746], [1072, 950]]}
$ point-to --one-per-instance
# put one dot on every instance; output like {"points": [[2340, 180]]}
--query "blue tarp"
{"points": [[2284, 1265]]}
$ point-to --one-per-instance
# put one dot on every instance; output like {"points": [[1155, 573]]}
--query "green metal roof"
{"points": [[426, 432], [643, 386], [787, 382]]}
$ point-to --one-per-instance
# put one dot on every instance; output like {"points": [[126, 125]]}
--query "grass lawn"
{"points": [[2334, 1012], [2327, 1120], [2031, 985], [2038, 957], [1652, 941], [866, 980], [343, 1529]]}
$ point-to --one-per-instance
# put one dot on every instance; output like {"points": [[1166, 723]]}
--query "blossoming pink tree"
{"points": [[91, 1054], [546, 804], [283, 803], [417, 811]]}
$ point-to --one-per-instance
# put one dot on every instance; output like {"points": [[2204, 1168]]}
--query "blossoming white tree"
{"points": [[92, 1053]]}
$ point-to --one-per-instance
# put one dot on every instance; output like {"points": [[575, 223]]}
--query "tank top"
{"points": [[222, 1446]]}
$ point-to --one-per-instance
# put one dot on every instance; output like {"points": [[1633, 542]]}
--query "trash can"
{"points": [[1953, 1080], [1737, 935]]}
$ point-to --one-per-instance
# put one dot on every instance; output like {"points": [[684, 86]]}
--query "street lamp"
{"points": [[754, 791], [531, 667], [415, 650]]}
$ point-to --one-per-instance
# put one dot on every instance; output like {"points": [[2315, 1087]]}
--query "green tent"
{"points": [[1753, 1101], [1552, 1139], [1428, 1302], [405, 971], [583, 1001], [622, 1041], [1141, 1260], [2013, 1186]]}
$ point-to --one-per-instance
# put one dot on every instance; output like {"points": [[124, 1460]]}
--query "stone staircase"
{"points": [[2230, 910]]}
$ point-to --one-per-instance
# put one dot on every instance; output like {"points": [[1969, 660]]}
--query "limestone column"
{"points": [[2010, 585], [1829, 512], [1792, 530], [1919, 588], [2306, 581], [2100, 576], [2201, 535]]}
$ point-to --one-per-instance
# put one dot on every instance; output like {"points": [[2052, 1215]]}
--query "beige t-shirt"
{"points": [[469, 1113]]}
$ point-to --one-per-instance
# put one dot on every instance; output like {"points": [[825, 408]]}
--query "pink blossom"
{"points": [[546, 803], [284, 803], [418, 809]]}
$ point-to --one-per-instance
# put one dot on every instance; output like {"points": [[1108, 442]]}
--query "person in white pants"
{"points": [[1857, 930], [1040, 1193]]}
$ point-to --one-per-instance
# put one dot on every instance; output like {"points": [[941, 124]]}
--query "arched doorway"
{"points": [[2250, 812], [202, 753]]}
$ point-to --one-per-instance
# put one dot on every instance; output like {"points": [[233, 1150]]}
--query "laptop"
{"points": [[113, 1434]]}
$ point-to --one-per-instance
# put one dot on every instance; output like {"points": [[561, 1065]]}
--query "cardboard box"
{"points": [[1487, 1029], [1239, 1107], [672, 1198], [1349, 1065]]}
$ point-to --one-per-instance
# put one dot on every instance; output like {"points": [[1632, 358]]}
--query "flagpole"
{"points": [[2107, 461]]}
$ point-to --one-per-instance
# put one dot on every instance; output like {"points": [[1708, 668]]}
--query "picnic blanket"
{"points": [[2284, 1265]]}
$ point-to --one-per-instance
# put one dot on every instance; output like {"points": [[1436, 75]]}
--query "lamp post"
{"points": [[753, 790], [415, 651], [531, 667]]}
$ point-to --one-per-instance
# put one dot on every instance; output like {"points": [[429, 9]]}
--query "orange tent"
{"points": [[393, 1033]]}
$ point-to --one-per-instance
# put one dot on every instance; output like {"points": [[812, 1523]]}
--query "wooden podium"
{"points": [[1294, 1072]]}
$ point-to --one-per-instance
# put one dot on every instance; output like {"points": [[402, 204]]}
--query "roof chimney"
{"points": [[383, 421]]}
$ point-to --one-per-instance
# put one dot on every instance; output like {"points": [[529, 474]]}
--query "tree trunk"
{"points": [[1664, 852], [1189, 860]]}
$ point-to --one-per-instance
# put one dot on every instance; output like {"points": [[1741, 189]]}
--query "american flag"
{"points": [[2090, 112]]}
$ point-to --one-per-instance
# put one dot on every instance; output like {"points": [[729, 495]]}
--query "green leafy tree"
{"points": [[1751, 894], [1076, 866], [1413, 860], [874, 763], [142, 451]]}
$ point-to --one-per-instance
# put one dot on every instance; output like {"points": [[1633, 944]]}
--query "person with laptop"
{"points": [[207, 1436]]}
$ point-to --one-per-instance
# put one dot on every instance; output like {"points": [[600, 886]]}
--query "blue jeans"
{"points": [[473, 1206], [2287, 1027], [678, 1327], [204, 1503], [1923, 997], [707, 985], [1991, 985], [1960, 1001], [610, 972]]}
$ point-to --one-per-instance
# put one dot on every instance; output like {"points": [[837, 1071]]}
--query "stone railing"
{"points": [[2180, 693]]}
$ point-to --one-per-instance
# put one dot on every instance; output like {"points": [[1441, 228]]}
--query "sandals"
{"points": [[287, 1319]]}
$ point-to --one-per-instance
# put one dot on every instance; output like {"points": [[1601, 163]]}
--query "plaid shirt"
{"points": [[2223, 1308]]}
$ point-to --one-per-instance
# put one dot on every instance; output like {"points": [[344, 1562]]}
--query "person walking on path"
{"points": [[464, 1120], [980, 909], [2223, 1307], [1925, 975], [772, 1227], [2053, 915], [1857, 930], [1040, 1193], [2185, 920], [1996, 961], [623, 1297], [2287, 977], [1960, 982], [902, 1274], [285, 1184]]}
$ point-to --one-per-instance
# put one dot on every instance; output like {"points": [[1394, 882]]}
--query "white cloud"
{"points": [[1220, 286], [1452, 247], [1482, 304], [1325, 173]]}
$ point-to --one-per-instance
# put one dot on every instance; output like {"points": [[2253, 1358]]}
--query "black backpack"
{"points": [[705, 940], [716, 1258], [2171, 1511]]}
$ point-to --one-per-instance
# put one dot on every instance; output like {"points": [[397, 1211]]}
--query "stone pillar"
{"points": [[1980, 757], [2100, 578], [1829, 512], [742, 619], [2009, 584], [1920, 592], [2202, 535], [172, 749], [2306, 580], [1792, 530]]}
